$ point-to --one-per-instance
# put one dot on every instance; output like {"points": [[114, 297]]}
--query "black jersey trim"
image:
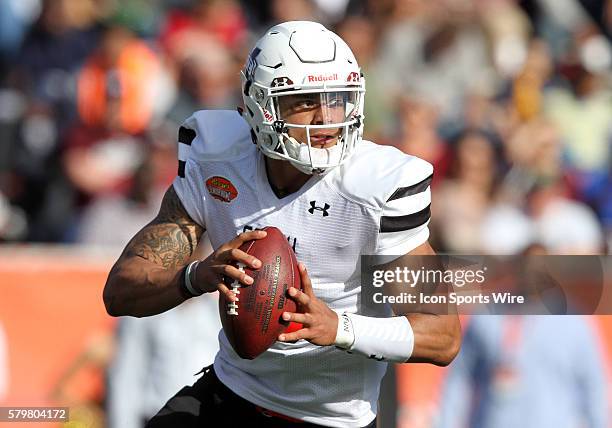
{"points": [[405, 222], [402, 192]]}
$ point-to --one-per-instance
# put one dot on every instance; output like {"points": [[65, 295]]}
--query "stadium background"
{"points": [[510, 100]]}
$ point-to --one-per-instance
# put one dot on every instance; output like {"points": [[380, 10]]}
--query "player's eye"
{"points": [[304, 104], [297, 104]]}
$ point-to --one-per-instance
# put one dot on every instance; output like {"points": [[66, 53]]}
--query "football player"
{"points": [[293, 158]]}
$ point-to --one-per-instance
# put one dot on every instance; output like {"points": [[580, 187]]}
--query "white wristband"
{"points": [[188, 285], [345, 336], [383, 339]]}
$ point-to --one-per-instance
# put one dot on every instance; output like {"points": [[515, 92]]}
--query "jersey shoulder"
{"points": [[376, 174], [214, 135]]}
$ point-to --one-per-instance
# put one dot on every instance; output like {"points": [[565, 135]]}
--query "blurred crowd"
{"points": [[510, 100]]}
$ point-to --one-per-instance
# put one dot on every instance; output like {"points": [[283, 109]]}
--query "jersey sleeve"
{"points": [[186, 184], [405, 213]]}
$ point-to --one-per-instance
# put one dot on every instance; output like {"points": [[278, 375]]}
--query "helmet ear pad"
{"points": [[287, 59]]}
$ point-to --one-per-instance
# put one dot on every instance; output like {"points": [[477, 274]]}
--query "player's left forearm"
{"points": [[437, 338]]}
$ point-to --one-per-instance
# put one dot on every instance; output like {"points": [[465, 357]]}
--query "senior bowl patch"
{"points": [[221, 188]]}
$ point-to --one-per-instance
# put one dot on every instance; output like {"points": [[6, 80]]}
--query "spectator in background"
{"points": [[417, 132], [100, 160], [112, 219], [205, 76], [505, 229], [36, 184], [38, 107], [53, 50], [563, 225], [462, 200], [534, 74], [533, 150], [122, 74], [526, 371], [582, 114], [223, 20], [437, 47], [116, 92], [582, 111], [508, 31]]}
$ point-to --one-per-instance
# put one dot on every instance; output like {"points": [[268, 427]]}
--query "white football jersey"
{"points": [[376, 203]]}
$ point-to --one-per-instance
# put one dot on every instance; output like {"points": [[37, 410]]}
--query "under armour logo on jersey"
{"points": [[314, 207]]}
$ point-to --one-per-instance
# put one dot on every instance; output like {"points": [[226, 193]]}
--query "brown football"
{"points": [[253, 323]]}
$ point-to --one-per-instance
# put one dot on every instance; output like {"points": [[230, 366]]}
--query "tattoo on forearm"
{"points": [[170, 239]]}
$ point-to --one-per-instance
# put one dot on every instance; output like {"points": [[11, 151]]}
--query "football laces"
{"points": [[232, 307]]}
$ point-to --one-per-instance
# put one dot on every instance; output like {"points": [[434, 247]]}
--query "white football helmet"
{"points": [[304, 58]]}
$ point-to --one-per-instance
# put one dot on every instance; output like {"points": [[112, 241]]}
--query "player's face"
{"points": [[315, 109]]}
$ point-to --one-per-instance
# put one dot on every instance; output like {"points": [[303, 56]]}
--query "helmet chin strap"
{"points": [[300, 152]]}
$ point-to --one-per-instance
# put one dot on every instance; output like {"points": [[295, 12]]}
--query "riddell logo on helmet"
{"points": [[322, 77], [268, 116]]}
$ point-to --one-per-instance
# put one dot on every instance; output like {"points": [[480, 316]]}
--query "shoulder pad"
{"points": [[212, 135], [375, 173]]}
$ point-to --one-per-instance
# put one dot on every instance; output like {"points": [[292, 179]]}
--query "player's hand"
{"points": [[320, 323], [210, 273]]}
